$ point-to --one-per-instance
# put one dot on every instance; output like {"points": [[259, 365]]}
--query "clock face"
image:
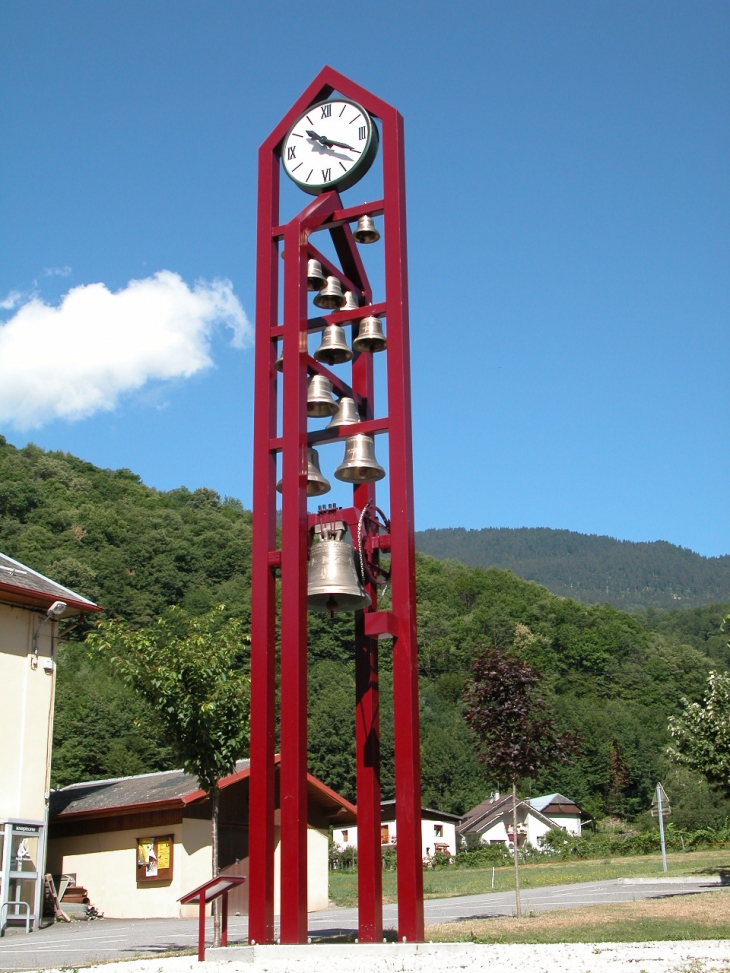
{"points": [[330, 146]]}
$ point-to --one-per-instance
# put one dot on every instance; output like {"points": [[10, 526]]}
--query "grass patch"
{"points": [[447, 882], [697, 916]]}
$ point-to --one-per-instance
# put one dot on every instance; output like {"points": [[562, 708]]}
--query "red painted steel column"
{"points": [[403, 555], [367, 731], [294, 531], [263, 586]]}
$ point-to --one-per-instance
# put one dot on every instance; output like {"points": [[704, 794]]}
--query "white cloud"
{"points": [[13, 299], [56, 271], [70, 361]]}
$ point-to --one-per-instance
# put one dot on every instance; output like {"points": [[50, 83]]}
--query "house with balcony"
{"points": [[491, 822]]}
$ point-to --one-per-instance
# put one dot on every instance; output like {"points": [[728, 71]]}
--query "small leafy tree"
{"points": [[514, 733], [701, 733], [194, 673]]}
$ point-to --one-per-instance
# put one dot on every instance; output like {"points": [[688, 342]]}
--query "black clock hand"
{"points": [[342, 145], [319, 138]]}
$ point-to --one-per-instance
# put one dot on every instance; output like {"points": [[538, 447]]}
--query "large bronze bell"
{"points": [[319, 398], [370, 336], [366, 231], [331, 296], [316, 278], [351, 302], [317, 484], [359, 464], [346, 415], [333, 349], [332, 581]]}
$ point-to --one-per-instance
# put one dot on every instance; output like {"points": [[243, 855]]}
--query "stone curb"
{"points": [[335, 951]]}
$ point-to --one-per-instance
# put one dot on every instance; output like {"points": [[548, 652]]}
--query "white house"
{"points": [[137, 844], [491, 822], [32, 610], [438, 831]]}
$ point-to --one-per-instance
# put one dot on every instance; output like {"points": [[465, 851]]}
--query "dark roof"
{"points": [[555, 804], [484, 815], [169, 789], [21, 585], [387, 813]]}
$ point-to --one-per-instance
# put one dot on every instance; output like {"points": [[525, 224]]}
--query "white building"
{"points": [[138, 844], [32, 609], [491, 822], [438, 831]]}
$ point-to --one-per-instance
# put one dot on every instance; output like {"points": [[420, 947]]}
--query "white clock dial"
{"points": [[330, 146]]}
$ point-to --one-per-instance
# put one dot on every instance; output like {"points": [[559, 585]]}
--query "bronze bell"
{"points": [[351, 302], [315, 276], [319, 398], [332, 581], [317, 484], [370, 336], [331, 296], [366, 231], [333, 349], [359, 464], [346, 415]]}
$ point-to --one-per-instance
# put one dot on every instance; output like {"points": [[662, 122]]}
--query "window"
{"points": [[438, 830], [384, 835], [345, 835]]}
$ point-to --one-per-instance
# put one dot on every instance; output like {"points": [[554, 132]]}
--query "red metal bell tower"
{"points": [[290, 324]]}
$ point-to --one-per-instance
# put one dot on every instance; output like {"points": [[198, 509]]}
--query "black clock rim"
{"points": [[359, 169]]}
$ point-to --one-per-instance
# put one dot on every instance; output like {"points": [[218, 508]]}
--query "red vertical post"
{"points": [[263, 585], [403, 553], [201, 928], [224, 920], [294, 531]]}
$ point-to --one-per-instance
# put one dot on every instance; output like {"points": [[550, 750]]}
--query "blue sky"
{"points": [[567, 168]]}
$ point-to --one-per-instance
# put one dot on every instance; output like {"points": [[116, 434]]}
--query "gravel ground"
{"points": [[660, 957]]}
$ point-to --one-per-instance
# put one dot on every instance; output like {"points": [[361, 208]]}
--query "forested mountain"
{"points": [[612, 676], [589, 567]]}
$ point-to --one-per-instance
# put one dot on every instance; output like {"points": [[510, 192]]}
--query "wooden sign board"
{"points": [[155, 858]]}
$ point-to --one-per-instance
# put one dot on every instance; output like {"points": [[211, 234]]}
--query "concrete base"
{"points": [[333, 952]]}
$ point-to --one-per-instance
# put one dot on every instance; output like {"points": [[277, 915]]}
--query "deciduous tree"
{"points": [[701, 733], [515, 734], [194, 673]]}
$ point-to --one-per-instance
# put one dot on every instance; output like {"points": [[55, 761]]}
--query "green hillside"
{"points": [[612, 676], [588, 567]]}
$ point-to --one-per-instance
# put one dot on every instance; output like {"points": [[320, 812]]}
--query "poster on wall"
{"points": [[154, 858]]}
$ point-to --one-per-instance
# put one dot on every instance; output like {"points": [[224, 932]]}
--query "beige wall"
{"points": [[26, 713], [105, 864]]}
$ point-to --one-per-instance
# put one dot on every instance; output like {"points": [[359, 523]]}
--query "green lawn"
{"points": [[447, 882]]}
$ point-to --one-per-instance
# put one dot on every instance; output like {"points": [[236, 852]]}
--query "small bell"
{"points": [[319, 398], [331, 296], [317, 484], [332, 581], [359, 464], [346, 415], [370, 336], [315, 276], [279, 363], [333, 349], [351, 302], [366, 231]]}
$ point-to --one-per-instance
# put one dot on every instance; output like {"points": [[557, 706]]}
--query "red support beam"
{"points": [[263, 585]]}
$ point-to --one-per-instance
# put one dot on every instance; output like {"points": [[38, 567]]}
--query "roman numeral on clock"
{"points": [[326, 111], [291, 152], [326, 175], [361, 132]]}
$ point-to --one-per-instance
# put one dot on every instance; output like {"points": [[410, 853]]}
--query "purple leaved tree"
{"points": [[515, 734]]}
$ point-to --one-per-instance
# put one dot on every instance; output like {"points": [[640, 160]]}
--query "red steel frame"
{"points": [[326, 212]]}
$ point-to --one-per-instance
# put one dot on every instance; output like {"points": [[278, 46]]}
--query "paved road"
{"points": [[84, 942]]}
